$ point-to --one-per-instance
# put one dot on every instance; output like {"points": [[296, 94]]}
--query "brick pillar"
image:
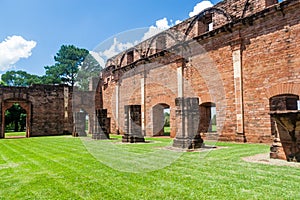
{"points": [[187, 120]]}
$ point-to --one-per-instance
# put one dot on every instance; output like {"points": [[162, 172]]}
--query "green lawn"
{"points": [[167, 130], [70, 168]]}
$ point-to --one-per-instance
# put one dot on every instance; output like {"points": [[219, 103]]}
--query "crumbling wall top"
{"points": [[212, 18]]}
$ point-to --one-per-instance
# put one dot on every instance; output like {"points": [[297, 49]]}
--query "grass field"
{"points": [[63, 168]]}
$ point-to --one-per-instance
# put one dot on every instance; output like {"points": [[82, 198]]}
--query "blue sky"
{"points": [[40, 27]]}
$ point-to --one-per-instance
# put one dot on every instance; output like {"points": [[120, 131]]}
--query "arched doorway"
{"points": [[24, 108], [161, 120], [208, 118], [284, 110], [83, 123]]}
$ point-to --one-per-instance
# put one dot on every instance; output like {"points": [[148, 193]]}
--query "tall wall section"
{"points": [[240, 54]]}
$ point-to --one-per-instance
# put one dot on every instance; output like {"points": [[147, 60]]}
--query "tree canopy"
{"points": [[90, 68], [67, 62], [19, 78], [73, 66]]}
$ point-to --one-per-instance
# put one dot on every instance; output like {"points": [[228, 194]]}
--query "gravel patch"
{"points": [[265, 159]]}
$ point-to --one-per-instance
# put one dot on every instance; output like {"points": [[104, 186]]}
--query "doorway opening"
{"points": [[208, 118], [161, 120], [15, 121]]}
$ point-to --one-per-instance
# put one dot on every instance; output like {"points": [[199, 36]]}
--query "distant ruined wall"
{"points": [[49, 108]]}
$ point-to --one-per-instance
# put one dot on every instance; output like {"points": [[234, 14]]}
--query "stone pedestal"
{"points": [[80, 124], [126, 138], [101, 125], [187, 120], [133, 124], [276, 150]]}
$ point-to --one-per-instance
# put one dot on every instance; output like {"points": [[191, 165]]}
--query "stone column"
{"points": [[180, 85], [187, 120], [143, 108], [117, 108], [238, 86]]}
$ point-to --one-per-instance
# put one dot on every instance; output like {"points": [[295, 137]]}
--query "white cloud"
{"points": [[160, 25], [200, 7], [116, 48], [12, 49], [177, 22]]}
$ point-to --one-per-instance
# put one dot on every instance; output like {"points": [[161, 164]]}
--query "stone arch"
{"points": [[26, 105]]}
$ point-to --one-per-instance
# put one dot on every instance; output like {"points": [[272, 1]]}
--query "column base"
{"points": [[100, 136], [188, 143], [126, 138], [79, 134]]}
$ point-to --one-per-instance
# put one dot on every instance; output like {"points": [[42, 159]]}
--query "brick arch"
{"points": [[166, 34], [26, 105], [206, 98], [229, 18], [167, 98], [283, 88], [135, 50]]}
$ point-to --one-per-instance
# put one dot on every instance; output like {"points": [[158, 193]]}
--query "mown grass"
{"points": [[63, 168]]}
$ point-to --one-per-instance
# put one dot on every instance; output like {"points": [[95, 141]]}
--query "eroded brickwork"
{"points": [[48, 108]]}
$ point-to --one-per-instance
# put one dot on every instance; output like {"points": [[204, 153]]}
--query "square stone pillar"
{"points": [[79, 124], [133, 124], [187, 120], [101, 125]]}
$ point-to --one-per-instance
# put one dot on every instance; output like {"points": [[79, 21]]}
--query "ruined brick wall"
{"points": [[255, 56], [49, 108], [270, 66]]}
